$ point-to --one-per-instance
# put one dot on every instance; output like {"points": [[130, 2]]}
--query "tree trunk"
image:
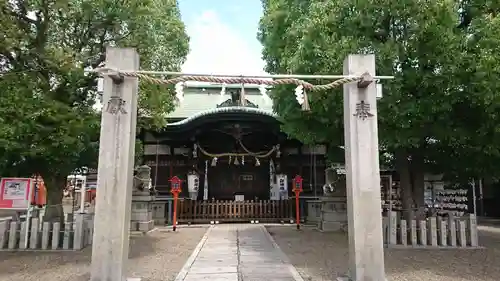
{"points": [[418, 186], [54, 211], [418, 181], [403, 169]]}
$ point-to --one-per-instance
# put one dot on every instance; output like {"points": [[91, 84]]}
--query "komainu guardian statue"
{"points": [[142, 179], [335, 178]]}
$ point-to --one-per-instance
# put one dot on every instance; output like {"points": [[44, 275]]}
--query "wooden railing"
{"points": [[235, 211]]}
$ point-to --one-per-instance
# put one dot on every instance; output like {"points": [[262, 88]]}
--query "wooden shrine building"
{"points": [[226, 144]]}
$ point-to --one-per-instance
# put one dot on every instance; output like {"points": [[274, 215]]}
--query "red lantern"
{"points": [[175, 188], [297, 184], [175, 185], [297, 188]]}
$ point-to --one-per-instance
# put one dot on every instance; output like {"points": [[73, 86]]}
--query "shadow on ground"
{"points": [[324, 256]]}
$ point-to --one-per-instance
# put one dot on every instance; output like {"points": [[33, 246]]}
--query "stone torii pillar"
{"points": [[366, 250], [110, 245]]}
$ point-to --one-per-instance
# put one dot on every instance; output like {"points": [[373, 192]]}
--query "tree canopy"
{"points": [[48, 121], [439, 113]]}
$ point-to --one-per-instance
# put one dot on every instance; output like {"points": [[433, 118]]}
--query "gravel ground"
{"points": [[324, 256], [157, 256]]}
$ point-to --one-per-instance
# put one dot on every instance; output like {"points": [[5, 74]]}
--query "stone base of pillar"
{"points": [[313, 212], [141, 218], [159, 212], [333, 216]]}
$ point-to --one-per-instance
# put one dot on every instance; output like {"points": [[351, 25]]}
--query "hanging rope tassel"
{"points": [[305, 105], [179, 91], [222, 93], [301, 97], [243, 100], [263, 92]]}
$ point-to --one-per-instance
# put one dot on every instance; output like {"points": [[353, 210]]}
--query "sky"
{"points": [[223, 36]]}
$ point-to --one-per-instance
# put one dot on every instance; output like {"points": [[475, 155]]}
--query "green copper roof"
{"points": [[197, 101], [232, 109]]}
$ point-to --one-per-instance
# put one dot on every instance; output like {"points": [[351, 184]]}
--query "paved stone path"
{"points": [[238, 253]]}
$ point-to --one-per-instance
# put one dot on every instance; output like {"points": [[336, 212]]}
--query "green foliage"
{"points": [[40, 135], [47, 123], [442, 108]]}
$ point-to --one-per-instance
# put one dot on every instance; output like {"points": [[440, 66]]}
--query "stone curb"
{"points": [[293, 271], [185, 269]]}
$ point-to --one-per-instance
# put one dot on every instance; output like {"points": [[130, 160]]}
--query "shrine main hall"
{"points": [[225, 143]]}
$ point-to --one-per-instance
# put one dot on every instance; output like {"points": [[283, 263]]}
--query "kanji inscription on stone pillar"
{"points": [[116, 105], [363, 110]]}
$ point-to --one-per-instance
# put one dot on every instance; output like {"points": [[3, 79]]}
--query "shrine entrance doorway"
{"points": [[239, 182]]}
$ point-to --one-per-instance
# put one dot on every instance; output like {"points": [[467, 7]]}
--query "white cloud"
{"points": [[217, 48]]}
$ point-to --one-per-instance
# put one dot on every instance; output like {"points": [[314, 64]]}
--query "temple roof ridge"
{"points": [[201, 99]]}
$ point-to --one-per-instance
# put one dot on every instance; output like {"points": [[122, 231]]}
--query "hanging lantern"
{"points": [[236, 162], [214, 161]]}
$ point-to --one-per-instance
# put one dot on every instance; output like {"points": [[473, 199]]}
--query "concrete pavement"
{"points": [[238, 252]]}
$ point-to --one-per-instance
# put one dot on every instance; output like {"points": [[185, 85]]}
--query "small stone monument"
{"points": [[333, 215], [142, 198]]}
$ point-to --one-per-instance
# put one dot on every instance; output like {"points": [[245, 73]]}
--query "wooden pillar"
{"points": [[170, 164], [115, 171], [366, 252]]}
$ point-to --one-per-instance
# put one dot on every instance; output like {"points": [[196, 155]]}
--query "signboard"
{"points": [[15, 193], [282, 184]]}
